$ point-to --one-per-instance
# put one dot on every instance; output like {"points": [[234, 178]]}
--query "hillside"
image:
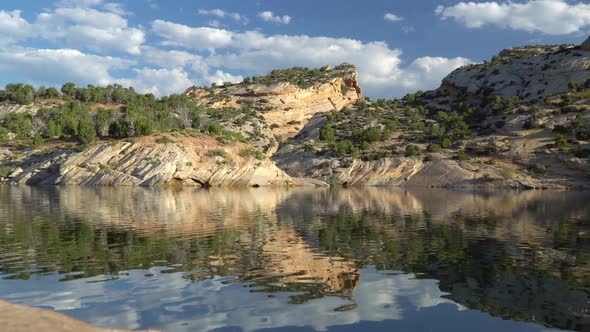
{"points": [[520, 120]]}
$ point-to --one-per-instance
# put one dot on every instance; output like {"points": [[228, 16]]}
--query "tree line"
{"points": [[24, 94]]}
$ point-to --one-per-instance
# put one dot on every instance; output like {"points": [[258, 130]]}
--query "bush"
{"points": [[164, 140], [343, 148], [560, 141], [433, 147], [5, 171], [86, 132], [574, 85], [503, 105], [37, 140], [462, 155], [327, 134], [412, 150], [214, 129], [216, 153], [507, 173], [3, 135], [19, 123], [252, 152]]}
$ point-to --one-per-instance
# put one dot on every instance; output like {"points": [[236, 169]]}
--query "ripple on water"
{"points": [[370, 259]]}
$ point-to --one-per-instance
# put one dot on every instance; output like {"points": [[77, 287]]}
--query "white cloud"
{"points": [[552, 17], [220, 13], [172, 59], [160, 82], [96, 30], [214, 23], [381, 70], [115, 8], [198, 38], [55, 67], [13, 27], [219, 77], [270, 17], [392, 17], [203, 55], [74, 27], [78, 3]]}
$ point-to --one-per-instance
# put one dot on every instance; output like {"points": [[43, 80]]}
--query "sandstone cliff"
{"points": [[287, 106], [148, 161]]}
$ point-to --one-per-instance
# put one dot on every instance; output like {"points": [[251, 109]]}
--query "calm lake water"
{"points": [[299, 260]]}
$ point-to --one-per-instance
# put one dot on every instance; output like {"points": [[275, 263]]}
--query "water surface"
{"points": [[299, 260]]}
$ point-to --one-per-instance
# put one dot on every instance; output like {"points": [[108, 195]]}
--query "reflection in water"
{"points": [[319, 259]]}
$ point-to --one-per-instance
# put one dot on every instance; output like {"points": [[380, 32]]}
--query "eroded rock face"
{"points": [[543, 73], [149, 161], [286, 107]]}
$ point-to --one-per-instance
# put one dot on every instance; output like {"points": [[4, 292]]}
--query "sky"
{"points": [[165, 46]]}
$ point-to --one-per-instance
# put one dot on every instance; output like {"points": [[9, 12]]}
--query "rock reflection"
{"points": [[521, 256]]}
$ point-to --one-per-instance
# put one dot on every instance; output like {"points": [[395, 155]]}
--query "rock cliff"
{"points": [[531, 73], [149, 161], [287, 106], [521, 120]]}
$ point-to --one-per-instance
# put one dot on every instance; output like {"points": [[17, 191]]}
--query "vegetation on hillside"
{"points": [[87, 114]]}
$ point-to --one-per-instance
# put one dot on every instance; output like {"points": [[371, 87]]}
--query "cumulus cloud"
{"points": [[55, 67], [13, 27], [219, 77], [115, 8], [78, 3], [172, 58], [552, 17], [392, 17], [159, 82], [86, 32], [381, 69], [198, 38], [270, 17], [220, 13], [96, 30], [88, 28]]}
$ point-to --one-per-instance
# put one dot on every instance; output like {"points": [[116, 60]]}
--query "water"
{"points": [[299, 260]]}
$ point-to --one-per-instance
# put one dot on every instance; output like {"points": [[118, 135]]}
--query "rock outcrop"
{"points": [[150, 161], [286, 107], [530, 73], [18, 318]]}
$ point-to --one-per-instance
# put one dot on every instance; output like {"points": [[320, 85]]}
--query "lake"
{"points": [[299, 259]]}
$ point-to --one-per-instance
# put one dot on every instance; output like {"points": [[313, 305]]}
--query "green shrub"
{"points": [[216, 153], [462, 155], [37, 140], [434, 147], [3, 135], [560, 141], [507, 173], [327, 134], [164, 140], [574, 86], [86, 132], [344, 148], [412, 150], [214, 129], [5, 171], [252, 152]]}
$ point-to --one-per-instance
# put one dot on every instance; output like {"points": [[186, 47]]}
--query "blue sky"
{"points": [[164, 47]]}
